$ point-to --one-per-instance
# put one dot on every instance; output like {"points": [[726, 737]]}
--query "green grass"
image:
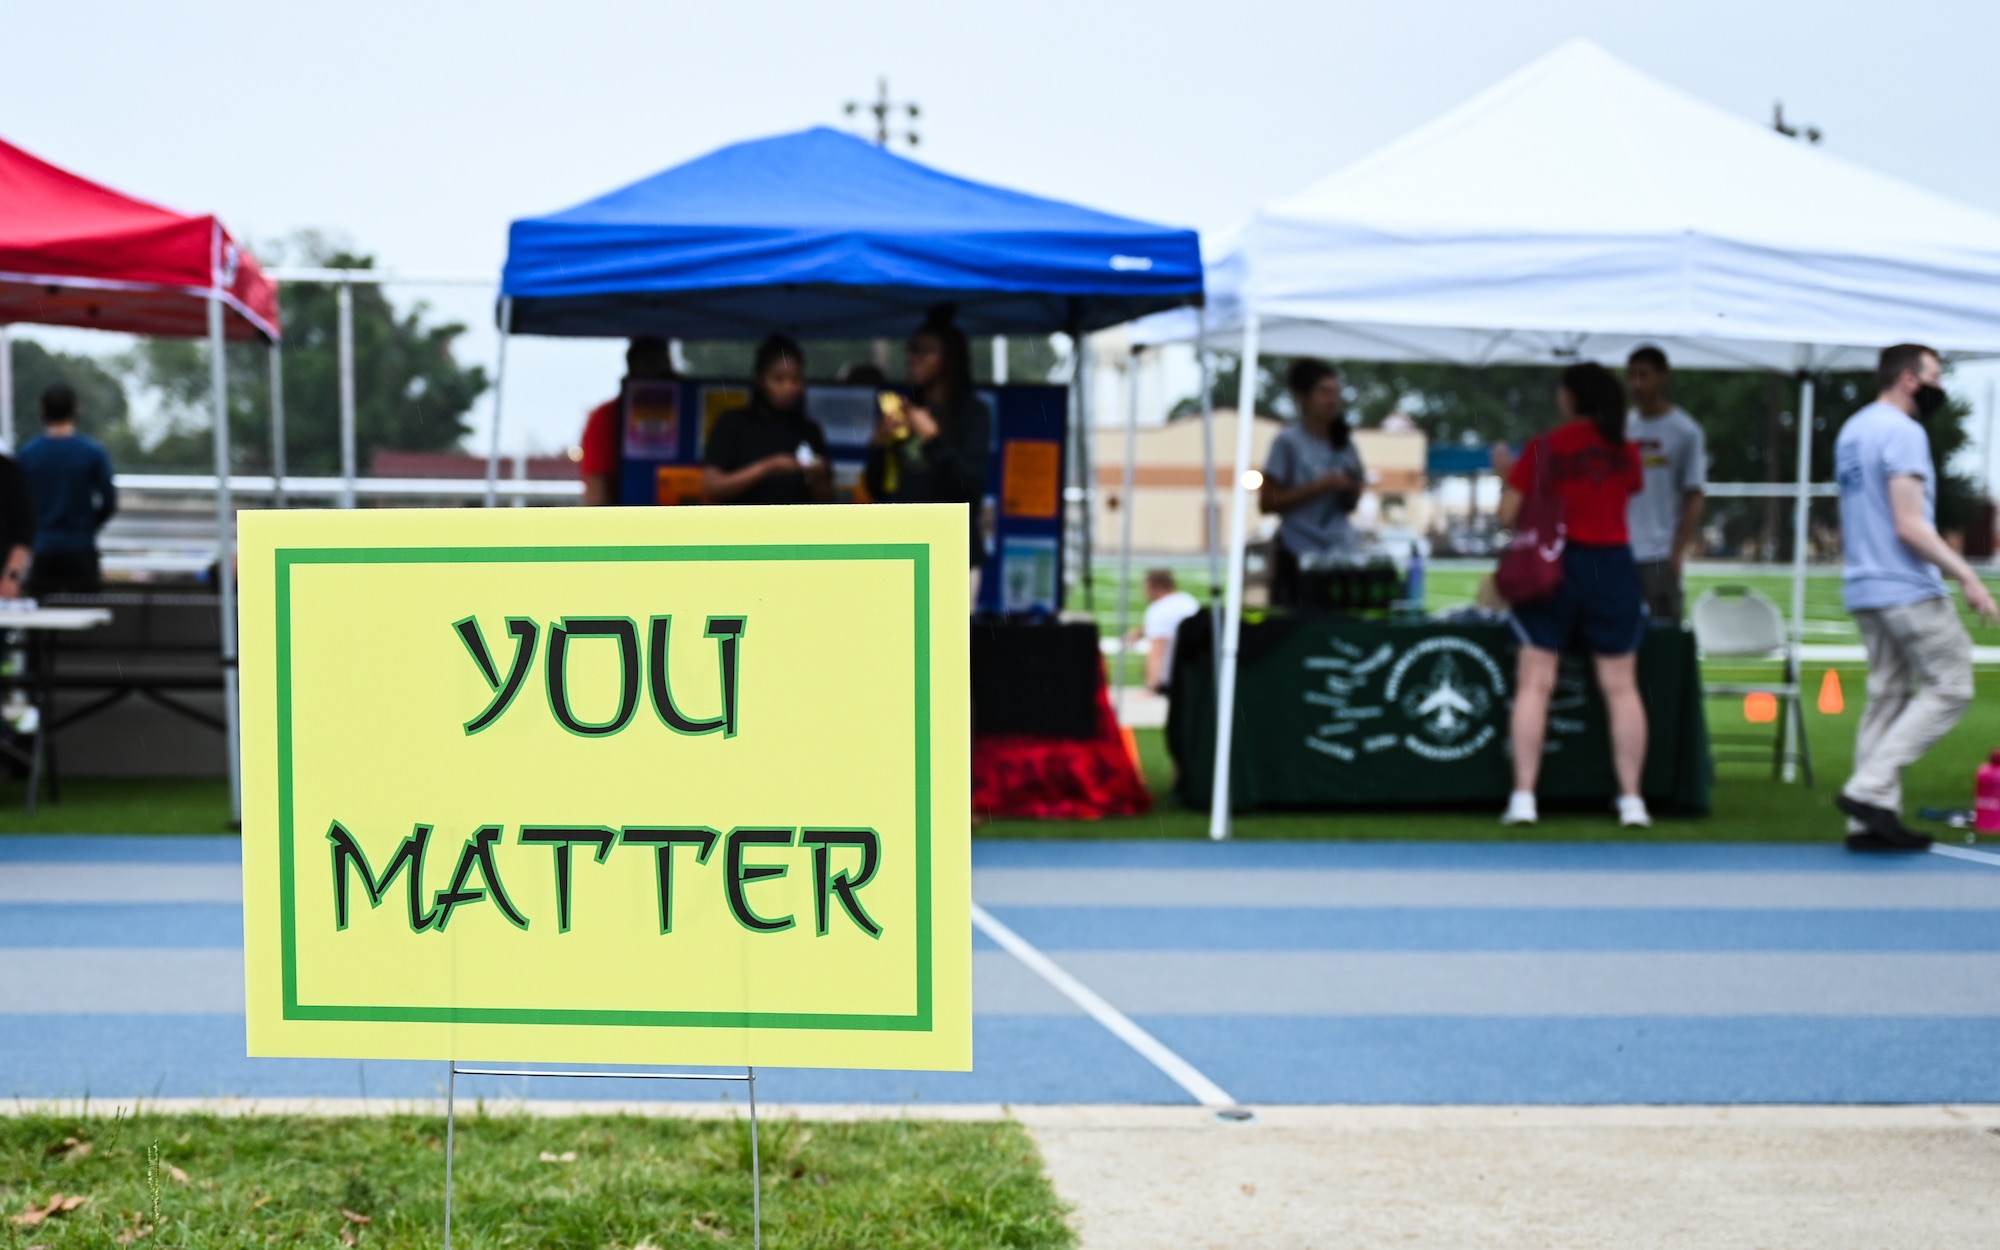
{"points": [[633, 1182], [1749, 806], [97, 805], [1826, 620]]}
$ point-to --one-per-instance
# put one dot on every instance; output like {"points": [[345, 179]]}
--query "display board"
{"points": [[656, 785], [665, 427]]}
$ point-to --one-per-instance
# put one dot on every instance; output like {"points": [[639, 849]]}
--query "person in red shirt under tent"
{"points": [[1588, 464], [645, 357]]}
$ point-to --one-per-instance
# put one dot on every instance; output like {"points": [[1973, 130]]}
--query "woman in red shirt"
{"points": [[1586, 463]]}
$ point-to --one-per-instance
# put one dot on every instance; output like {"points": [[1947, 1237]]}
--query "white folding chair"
{"points": [[1738, 623]]}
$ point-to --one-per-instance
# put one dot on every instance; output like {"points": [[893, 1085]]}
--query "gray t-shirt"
{"points": [[1673, 454], [1318, 526], [1876, 444]]}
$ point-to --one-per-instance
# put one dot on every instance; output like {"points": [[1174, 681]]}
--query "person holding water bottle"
{"points": [[769, 451]]}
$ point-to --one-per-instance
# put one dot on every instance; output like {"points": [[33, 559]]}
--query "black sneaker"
{"points": [[1880, 821], [1903, 840]]}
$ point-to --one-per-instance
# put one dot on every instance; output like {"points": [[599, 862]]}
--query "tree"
{"points": [[101, 408], [410, 393]]}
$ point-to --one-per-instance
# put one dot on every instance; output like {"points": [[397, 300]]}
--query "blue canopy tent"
{"points": [[821, 234], [824, 235]]}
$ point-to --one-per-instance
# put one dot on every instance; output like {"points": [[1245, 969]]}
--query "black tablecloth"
{"points": [[1333, 712], [1040, 680]]}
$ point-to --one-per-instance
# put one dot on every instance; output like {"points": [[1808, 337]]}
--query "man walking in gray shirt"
{"points": [[1664, 517], [1919, 655]]}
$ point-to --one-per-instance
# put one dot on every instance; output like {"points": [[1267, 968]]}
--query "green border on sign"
{"points": [[918, 554]]}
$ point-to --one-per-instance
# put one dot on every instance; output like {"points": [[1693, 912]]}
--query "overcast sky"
{"points": [[418, 130]]}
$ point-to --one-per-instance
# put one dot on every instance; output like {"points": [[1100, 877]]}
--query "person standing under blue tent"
{"points": [[69, 478], [769, 451], [600, 449], [936, 448]]}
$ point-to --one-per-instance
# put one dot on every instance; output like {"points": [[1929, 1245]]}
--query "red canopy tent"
{"points": [[78, 254], [75, 253]]}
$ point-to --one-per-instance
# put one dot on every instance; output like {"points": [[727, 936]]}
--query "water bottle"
{"points": [[1986, 797], [1413, 586]]}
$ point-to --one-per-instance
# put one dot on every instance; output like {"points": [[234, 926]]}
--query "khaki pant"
{"points": [[1919, 683]]}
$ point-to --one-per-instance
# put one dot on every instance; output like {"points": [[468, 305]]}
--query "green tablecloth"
{"points": [[1333, 712]]}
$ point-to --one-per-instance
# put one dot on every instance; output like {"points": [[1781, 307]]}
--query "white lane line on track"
{"points": [[1150, 1048], [1960, 852]]}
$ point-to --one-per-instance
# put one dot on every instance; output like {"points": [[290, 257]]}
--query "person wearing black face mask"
{"points": [[1919, 655]]}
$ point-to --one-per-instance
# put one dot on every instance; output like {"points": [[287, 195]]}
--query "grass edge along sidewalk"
{"points": [[202, 1179]]}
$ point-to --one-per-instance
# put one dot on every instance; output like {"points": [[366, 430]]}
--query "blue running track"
{"points": [[1295, 973]]}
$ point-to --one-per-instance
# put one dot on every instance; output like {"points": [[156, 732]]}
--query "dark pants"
{"points": [[64, 572], [1661, 586], [1284, 576]]}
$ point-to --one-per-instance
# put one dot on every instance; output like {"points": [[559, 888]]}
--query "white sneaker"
{"points": [[1632, 813], [1520, 809]]}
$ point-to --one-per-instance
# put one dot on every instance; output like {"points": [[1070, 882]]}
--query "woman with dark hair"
{"points": [[935, 448], [769, 451], [1587, 465], [1312, 477]]}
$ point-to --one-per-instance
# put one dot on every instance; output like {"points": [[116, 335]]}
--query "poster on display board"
{"points": [[617, 785], [1022, 512]]}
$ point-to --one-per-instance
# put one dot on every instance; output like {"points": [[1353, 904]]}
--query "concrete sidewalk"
{"points": [[1543, 1177]]}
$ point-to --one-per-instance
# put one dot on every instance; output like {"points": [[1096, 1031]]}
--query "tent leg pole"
{"points": [[1126, 507], [344, 303], [499, 397], [1083, 465], [277, 425], [6, 392], [225, 552], [1801, 518], [1232, 625], [1212, 506], [999, 360]]}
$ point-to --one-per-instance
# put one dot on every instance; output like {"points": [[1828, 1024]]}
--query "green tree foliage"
{"points": [[102, 412], [410, 393]]}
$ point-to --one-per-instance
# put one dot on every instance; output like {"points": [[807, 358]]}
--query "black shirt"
{"points": [[743, 436], [950, 468], [17, 510]]}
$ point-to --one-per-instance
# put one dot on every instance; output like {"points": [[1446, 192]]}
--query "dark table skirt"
{"points": [[1333, 712]]}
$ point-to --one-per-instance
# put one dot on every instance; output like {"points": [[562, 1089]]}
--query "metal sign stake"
{"points": [[749, 1078]]}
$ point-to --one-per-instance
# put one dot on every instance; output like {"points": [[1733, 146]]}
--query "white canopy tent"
{"points": [[1574, 211]]}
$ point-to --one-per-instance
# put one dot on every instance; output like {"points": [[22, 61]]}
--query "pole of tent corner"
{"points": [[225, 552], [499, 398], [277, 424], [6, 391], [1801, 519], [1126, 506], [1232, 623], [344, 303], [1213, 506]]}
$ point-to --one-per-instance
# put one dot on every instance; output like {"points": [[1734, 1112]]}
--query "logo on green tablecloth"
{"points": [[1446, 687]]}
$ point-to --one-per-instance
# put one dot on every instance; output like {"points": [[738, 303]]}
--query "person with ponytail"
{"points": [[934, 447], [770, 451], [1587, 464]]}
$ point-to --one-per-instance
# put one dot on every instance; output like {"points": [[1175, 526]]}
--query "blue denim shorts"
{"points": [[1599, 608]]}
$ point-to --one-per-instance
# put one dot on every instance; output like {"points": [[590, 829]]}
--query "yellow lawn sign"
{"points": [[630, 785]]}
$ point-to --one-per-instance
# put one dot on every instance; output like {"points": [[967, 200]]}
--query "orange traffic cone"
{"points": [[1830, 701]]}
